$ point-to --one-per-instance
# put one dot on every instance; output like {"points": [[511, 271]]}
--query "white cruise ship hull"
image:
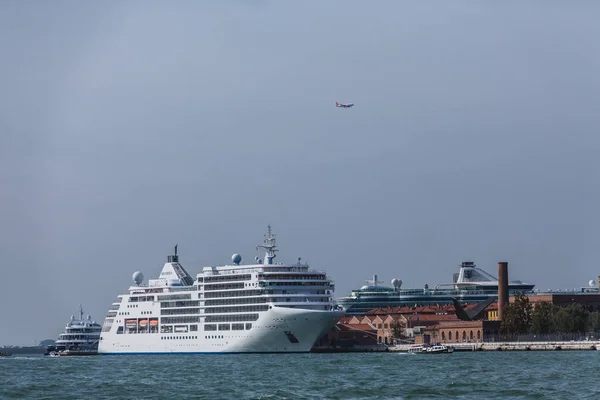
{"points": [[278, 330]]}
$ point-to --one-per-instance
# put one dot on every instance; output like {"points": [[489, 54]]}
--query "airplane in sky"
{"points": [[344, 105]]}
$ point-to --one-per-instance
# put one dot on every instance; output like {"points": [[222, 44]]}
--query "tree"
{"points": [[594, 321], [542, 318], [517, 315], [573, 318]]}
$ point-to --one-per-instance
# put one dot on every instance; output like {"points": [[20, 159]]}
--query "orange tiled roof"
{"points": [[355, 327]]}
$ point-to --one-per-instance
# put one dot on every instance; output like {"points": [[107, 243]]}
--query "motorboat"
{"points": [[439, 349]]}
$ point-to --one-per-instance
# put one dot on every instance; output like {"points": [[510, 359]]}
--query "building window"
{"points": [[471, 335], [449, 335], [478, 335]]}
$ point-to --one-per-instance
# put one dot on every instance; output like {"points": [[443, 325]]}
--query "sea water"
{"points": [[464, 375]]}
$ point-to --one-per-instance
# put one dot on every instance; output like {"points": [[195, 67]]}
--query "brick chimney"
{"points": [[502, 288]]}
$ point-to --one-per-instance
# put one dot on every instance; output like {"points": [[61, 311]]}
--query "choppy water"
{"points": [[471, 375]]}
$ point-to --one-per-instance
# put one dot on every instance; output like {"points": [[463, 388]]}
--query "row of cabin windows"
{"points": [[180, 320], [177, 337], [268, 283], [179, 311], [175, 297], [219, 310], [237, 293], [231, 318], [224, 286], [225, 302], [292, 277], [227, 327], [226, 278], [172, 304]]}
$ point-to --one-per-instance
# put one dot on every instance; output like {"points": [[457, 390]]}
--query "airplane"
{"points": [[344, 105]]}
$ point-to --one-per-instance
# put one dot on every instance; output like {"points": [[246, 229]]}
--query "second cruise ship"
{"points": [[264, 307]]}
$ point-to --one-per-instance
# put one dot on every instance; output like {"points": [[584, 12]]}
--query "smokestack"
{"points": [[502, 288]]}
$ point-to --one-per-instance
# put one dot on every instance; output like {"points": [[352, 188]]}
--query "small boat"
{"points": [[5, 355], [439, 349]]}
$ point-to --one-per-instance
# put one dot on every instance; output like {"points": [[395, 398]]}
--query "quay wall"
{"points": [[514, 346]]}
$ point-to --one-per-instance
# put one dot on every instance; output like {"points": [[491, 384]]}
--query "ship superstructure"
{"points": [[470, 285], [237, 308], [80, 337]]}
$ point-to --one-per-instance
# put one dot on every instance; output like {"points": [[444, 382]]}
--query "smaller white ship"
{"points": [[80, 338]]}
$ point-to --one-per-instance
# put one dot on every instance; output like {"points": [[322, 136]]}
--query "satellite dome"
{"points": [[396, 282], [236, 258], [592, 283], [138, 277]]}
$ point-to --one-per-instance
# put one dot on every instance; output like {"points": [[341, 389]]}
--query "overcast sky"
{"points": [[128, 127]]}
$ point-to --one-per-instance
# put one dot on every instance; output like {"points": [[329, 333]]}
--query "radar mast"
{"points": [[269, 246], [374, 281]]}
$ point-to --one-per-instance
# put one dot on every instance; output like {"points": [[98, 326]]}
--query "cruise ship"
{"points": [[80, 338], [265, 307], [471, 284]]}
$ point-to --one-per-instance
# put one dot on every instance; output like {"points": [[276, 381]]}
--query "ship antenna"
{"points": [[173, 258], [80, 312], [269, 246]]}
